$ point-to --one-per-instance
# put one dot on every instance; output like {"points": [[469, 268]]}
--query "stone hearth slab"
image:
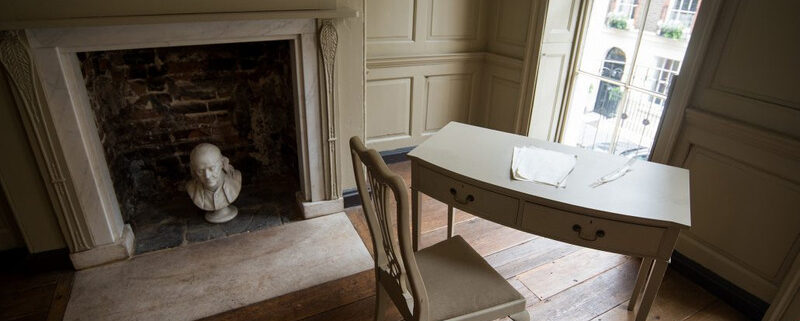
{"points": [[207, 278]]}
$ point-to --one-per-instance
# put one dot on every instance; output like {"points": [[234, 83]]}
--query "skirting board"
{"points": [[389, 157], [120, 250], [396, 155], [748, 304]]}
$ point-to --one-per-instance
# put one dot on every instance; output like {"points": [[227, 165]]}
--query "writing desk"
{"points": [[639, 214]]}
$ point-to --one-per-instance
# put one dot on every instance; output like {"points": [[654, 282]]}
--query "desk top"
{"points": [[651, 194]]}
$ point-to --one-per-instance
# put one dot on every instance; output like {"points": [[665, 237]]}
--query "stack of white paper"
{"points": [[541, 165]]}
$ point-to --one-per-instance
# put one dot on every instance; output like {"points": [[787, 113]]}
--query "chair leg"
{"points": [[521, 316], [382, 302], [451, 222]]}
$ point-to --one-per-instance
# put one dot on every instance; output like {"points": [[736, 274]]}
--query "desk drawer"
{"points": [[472, 199], [597, 233]]}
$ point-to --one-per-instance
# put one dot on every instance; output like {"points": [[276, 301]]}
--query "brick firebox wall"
{"points": [[152, 106]]}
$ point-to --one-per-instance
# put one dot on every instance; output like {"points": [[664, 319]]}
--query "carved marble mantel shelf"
{"points": [[174, 18], [39, 56]]}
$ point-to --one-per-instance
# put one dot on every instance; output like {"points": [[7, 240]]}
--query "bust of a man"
{"points": [[215, 184]]}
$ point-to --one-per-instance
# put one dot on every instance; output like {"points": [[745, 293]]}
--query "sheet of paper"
{"points": [[541, 165]]}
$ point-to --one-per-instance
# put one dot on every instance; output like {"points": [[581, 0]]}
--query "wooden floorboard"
{"points": [[484, 236], [595, 289], [526, 256], [560, 281], [678, 299], [588, 299], [561, 274], [308, 302], [58, 304]]}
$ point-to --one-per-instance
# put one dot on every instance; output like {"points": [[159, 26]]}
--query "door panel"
{"points": [[552, 68], [550, 83]]}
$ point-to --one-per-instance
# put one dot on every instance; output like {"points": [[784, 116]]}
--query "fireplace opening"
{"points": [[153, 105]]}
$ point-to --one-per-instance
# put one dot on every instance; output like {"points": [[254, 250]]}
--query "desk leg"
{"points": [[451, 222], [641, 280], [651, 289], [416, 219]]}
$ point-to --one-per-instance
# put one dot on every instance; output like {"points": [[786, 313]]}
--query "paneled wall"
{"points": [[745, 197], [508, 27], [501, 92], [408, 100], [740, 138], [403, 28], [424, 68], [508, 34], [434, 61]]}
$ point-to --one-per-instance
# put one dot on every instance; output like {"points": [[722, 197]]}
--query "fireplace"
{"points": [[92, 212], [153, 105]]}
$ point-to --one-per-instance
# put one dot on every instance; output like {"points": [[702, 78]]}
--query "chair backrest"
{"points": [[395, 265]]}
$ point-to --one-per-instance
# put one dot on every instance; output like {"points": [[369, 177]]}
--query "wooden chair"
{"points": [[446, 281]]}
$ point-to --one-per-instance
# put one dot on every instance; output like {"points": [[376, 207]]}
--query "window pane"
{"points": [[663, 44], [619, 19], [654, 73], [594, 110], [638, 124]]}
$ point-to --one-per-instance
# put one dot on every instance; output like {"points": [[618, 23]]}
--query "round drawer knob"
{"points": [[576, 228], [600, 233]]}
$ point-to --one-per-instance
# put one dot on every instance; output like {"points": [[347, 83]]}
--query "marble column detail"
{"points": [[328, 41], [16, 58]]}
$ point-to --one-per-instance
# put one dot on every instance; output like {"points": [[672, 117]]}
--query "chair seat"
{"points": [[461, 285]]}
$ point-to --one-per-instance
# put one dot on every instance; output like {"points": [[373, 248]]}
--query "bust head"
{"points": [[207, 164]]}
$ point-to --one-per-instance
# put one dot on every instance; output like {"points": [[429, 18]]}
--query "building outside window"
{"points": [[626, 8], [608, 94], [683, 11], [660, 77], [622, 14]]}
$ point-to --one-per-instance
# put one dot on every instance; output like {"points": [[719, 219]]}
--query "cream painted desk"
{"points": [[639, 214]]}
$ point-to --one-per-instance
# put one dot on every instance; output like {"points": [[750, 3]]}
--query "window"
{"points": [[608, 94], [619, 86], [626, 8], [683, 11], [660, 77]]}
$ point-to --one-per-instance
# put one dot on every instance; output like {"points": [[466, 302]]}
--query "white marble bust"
{"points": [[215, 184]]}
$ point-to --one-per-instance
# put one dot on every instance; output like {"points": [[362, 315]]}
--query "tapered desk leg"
{"points": [[416, 219], [451, 222], [651, 289], [641, 280]]}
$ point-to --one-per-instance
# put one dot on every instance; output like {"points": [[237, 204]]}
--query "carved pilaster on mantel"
{"points": [[16, 58], [328, 41]]}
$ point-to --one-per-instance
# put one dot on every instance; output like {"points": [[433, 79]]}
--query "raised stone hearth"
{"points": [[204, 279]]}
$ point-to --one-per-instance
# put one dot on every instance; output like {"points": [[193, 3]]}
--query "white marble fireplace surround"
{"points": [[90, 213]]}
